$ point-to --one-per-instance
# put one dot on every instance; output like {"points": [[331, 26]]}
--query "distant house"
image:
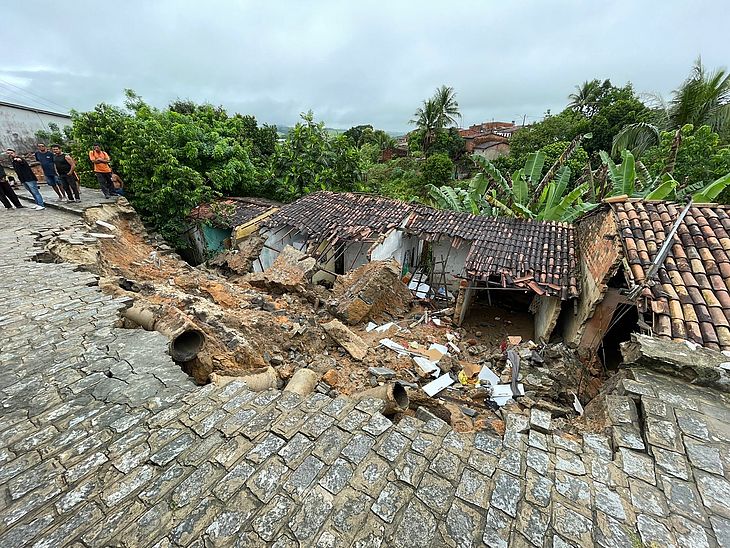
{"points": [[19, 124], [488, 139]]}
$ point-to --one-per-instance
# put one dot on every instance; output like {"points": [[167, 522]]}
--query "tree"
{"points": [[175, 158], [437, 169], [585, 97], [699, 159], [310, 159], [436, 113], [702, 99], [55, 135]]}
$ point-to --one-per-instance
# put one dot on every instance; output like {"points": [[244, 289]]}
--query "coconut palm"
{"points": [[436, 113], [585, 98], [702, 99]]}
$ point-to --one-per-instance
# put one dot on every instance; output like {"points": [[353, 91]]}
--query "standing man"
{"points": [[102, 170], [66, 167], [27, 177], [7, 194], [45, 157]]}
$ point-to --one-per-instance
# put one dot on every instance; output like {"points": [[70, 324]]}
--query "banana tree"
{"points": [[631, 178]]}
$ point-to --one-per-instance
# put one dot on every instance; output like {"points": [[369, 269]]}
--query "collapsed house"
{"points": [[452, 257], [211, 224], [631, 281]]}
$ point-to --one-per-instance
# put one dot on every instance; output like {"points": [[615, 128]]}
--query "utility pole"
{"points": [[524, 117]]}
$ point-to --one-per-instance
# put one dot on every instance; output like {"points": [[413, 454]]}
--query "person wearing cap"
{"points": [[45, 158], [102, 169], [26, 176]]}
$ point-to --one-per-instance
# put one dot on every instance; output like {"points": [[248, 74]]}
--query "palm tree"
{"points": [[702, 99], [438, 112], [585, 98], [445, 99]]}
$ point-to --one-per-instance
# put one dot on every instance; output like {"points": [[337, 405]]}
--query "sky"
{"points": [[352, 62]]}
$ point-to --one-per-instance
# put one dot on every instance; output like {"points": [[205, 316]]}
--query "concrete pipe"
{"points": [[302, 382], [394, 395], [186, 339], [256, 382]]}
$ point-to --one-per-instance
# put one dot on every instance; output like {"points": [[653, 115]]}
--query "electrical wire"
{"points": [[35, 95]]}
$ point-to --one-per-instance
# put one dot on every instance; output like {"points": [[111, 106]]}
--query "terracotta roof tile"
{"points": [[541, 251], [691, 299]]}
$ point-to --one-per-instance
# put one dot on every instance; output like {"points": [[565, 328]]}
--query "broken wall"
{"points": [[599, 257], [463, 301], [454, 264], [546, 311], [278, 238]]}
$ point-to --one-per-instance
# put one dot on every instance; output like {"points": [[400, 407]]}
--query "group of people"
{"points": [[59, 170]]}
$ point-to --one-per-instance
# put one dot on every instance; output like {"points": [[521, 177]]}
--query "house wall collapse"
{"points": [[600, 253]]}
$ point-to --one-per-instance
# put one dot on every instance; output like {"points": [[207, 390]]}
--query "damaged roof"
{"points": [[342, 216], [538, 255], [232, 212], [691, 300]]}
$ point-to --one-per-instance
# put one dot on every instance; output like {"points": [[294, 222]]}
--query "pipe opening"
{"points": [[186, 345], [400, 396]]}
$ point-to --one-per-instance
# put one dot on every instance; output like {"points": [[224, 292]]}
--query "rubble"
{"points": [[355, 346], [272, 324], [291, 271], [369, 291], [686, 360]]}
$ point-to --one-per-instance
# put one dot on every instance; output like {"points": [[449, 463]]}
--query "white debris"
{"points": [[725, 366], [576, 404], [489, 376], [436, 386], [436, 321], [106, 225], [427, 366], [691, 345], [454, 347], [383, 328], [387, 343], [502, 393], [440, 347], [420, 290], [370, 326], [100, 235]]}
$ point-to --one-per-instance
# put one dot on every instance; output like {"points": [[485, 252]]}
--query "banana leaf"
{"points": [[533, 166], [662, 190], [712, 191], [491, 171], [520, 188]]}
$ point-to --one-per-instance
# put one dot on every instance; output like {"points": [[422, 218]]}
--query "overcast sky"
{"points": [[352, 62]]}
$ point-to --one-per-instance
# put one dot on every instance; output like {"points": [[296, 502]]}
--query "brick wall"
{"points": [[599, 256]]}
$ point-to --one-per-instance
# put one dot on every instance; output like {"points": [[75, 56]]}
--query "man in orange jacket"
{"points": [[102, 169]]}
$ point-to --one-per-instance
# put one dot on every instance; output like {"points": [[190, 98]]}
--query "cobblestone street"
{"points": [[104, 441]]}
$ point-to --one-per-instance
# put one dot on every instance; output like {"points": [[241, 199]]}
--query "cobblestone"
{"points": [[145, 458]]}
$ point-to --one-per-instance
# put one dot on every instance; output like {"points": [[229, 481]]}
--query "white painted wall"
{"points": [[454, 265], [18, 126], [273, 235]]}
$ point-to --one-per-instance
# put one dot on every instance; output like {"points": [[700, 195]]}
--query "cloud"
{"points": [[353, 62]]}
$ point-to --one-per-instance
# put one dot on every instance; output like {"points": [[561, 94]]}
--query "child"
{"points": [[118, 184]]}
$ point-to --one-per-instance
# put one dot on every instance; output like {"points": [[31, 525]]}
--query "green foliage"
{"points": [[700, 157], [399, 178], [365, 135], [437, 169], [176, 158], [436, 114], [310, 159], [55, 135]]}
